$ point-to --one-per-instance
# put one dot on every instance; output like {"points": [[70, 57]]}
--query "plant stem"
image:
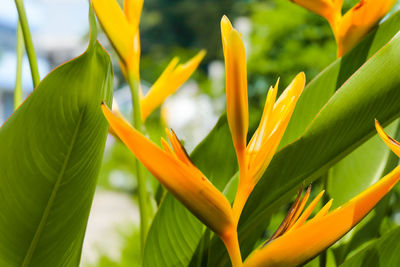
{"points": [[18, 76], [232, 246], [28, 42], [140, 172]]}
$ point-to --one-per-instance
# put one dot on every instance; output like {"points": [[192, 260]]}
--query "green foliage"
{"points": [[382, 252], [52, 148]]}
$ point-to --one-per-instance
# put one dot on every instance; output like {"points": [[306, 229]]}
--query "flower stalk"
{"points": [[30, 51], [140, 172], [18, 76]]}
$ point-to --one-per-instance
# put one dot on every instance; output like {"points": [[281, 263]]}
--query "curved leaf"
{"points": [[51, 151]]}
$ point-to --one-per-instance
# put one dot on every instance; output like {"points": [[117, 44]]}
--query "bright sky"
{"points": [[55, 25]]}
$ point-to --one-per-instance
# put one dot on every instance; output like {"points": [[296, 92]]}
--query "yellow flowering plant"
{"points": [[231, 201]]}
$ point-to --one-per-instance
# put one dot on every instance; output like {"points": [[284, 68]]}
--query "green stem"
{"points": [[18, 83], [28, 42], [140, 172]]}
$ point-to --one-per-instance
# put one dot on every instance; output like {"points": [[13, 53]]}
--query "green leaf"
{"points": [[175, 233], [382, 252], [51, 152]]}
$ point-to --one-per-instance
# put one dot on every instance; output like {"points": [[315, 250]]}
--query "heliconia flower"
{"points": [[298, 240], [329, 9], [122, 29], [173, 169], [117, 27], [169, 81], [359, 20], [254, 157], [351, 27]]}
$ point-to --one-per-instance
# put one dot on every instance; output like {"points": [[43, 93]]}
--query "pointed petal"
{"points": [[390, 142], [324, 210], [178, 148], [226, 28], [300, 208], [236, 92], [256, 141], [169, 82], [116, 26], [307, 212], [133, 10], [305, 242], [288, 218], [186, 183], [166, 147], [325, 8], [276, 126], [359, 20]]}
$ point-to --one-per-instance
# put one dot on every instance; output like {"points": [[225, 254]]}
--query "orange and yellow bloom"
{"points": [[254, 157], [122, 29], [351, 27], [173, 169]]}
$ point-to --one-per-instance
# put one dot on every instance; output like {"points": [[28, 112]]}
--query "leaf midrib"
{"points": [[46, 212]]}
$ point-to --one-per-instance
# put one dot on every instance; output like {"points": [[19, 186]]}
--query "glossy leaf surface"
{"points": [[51, 152]]}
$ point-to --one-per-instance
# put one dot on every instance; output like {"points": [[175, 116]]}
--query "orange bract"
{"points": [[173, 169], [254, 157], [351, 27]]}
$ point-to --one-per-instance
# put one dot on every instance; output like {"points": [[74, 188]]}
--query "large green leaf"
{"points": [[175, 233], [343, 124], [382, 252], [51, 151]]}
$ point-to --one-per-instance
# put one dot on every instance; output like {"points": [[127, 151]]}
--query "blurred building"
{"points": [[57, 27]]}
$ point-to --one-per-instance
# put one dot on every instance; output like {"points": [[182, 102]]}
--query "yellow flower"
{"points": [[350, 28], [122, 29], [298, 240], [173, 169], [254, 157], [169, 81]]}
